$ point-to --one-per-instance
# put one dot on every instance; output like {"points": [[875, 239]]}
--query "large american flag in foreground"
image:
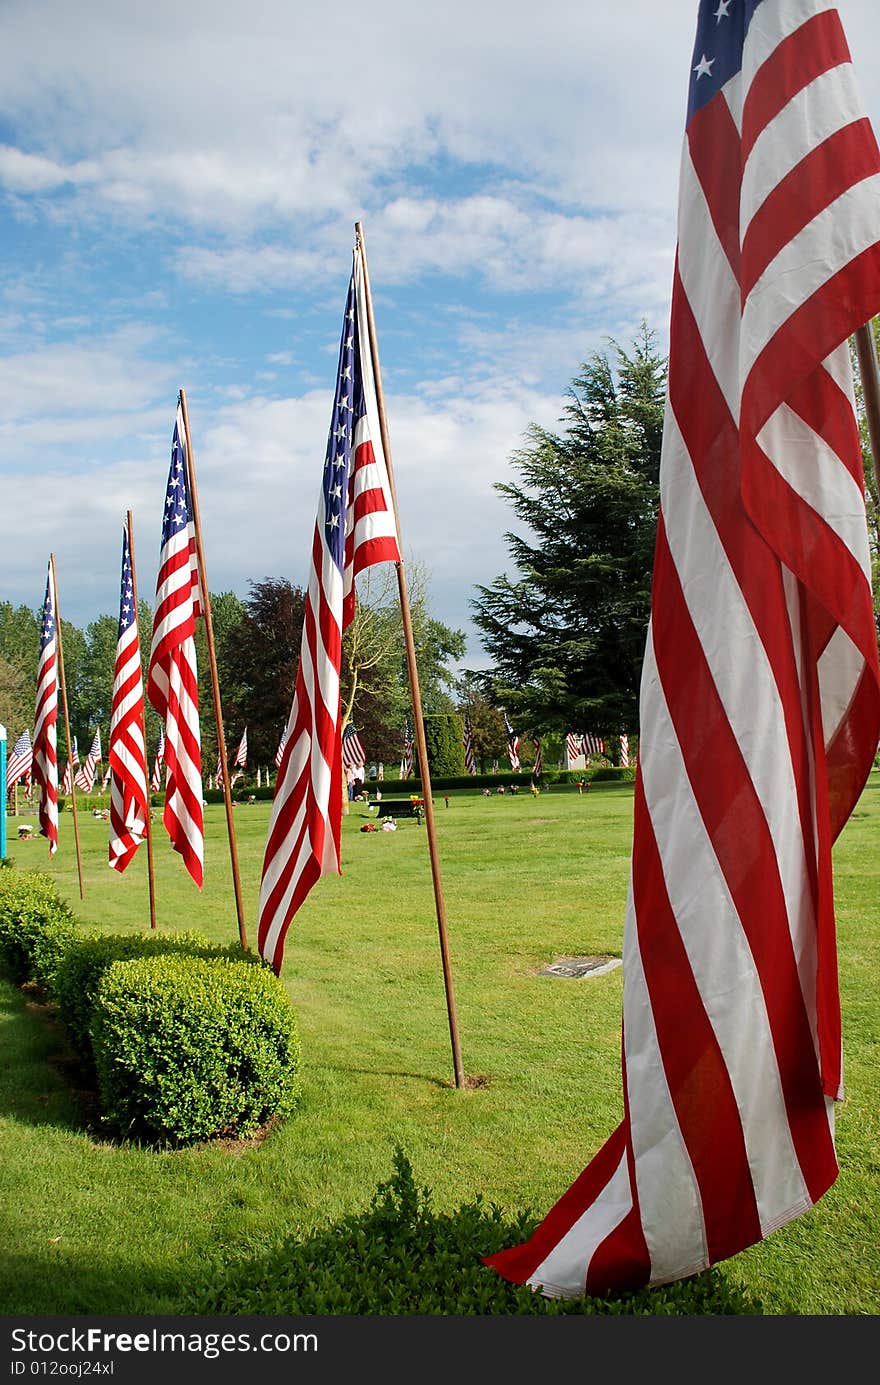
{"points": [[354, 529], [21, 758], [172, 682], [759, 698], [126, 750], [45, 753]]}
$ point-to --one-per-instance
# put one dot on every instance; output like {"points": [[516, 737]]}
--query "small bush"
{"points": [[36, 927], [80, 971], [403, 1256], [612, 773], [190, 1049]]}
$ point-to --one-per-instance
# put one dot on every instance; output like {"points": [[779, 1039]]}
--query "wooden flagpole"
{"points": [[866, 351], [418, 720], [215, 682], [63, 685], [149, 824]]}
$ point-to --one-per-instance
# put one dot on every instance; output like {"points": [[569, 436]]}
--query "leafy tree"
{"points": [[257, 654], [567, 635]]}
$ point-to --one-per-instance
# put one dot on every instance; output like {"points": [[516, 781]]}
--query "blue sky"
{"points": [[179, 186]]}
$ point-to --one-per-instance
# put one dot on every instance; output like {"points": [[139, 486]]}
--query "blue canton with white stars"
{"points": [[178, 509], [47, 633], [722, 26], [126, 596], [348, 406]]}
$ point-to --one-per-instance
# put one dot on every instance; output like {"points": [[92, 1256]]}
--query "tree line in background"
{"points": [[565, 634]]}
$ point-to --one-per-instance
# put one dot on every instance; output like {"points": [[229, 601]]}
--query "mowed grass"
{"points": [[91, 1226]]}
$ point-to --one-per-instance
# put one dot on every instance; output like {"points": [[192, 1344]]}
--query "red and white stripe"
{"points": [[45, 751], [156, 776], [172, 679], [85, 779], [624, 749], [759, 712], [127, 751], [20, 761], [305, 823]]}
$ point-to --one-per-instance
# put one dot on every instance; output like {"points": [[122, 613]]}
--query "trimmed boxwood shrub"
{"points": [[80, 971], [36, 927], [190, 1049]]}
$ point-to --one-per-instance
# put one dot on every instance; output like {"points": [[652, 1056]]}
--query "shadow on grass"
{"points": [[42, 1082], [400, 1256]]}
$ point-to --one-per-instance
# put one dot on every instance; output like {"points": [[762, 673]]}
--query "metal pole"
{"points": [[418, 720]]}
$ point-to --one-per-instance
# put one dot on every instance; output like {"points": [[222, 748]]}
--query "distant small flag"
{"points": [[624, 749], [85, 779], [539, 758], [469, 760], [156, 777], [594, 745], [126, 751], [72, 764], [512, 744], [241, 753], [574, 746], [45, 751], [406, 764], [279, 753], [106, 780], [21, 758], [353, 756]]}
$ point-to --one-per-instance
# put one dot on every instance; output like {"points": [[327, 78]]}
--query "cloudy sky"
{"points": [[179, 188]]}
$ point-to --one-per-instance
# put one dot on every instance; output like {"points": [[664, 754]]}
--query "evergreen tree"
{"points": [[567, 636]]}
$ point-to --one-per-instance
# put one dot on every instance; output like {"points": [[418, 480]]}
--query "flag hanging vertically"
{"points": [[624, 749], [126, 751], [21, 758], [45, 751], [469, 759], [355, 528], [406, 764], [353, 756], [279, 753], [156, 776], [85, 779], [759, 697], [68, 781], [574, 746], [539, 758], [172, 681], [592, 744], [512, 744], [240, 760]]}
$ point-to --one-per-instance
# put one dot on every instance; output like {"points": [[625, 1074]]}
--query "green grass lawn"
{"points": [[90, 1226]]}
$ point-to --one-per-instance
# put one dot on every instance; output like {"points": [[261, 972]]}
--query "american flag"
{"points": [[355, 528], [45, 753], [172, 680], [624, 749], [470, 762], [67, 781], [279, 753], [108, 772], [593, 745], [539, 758], [241, 753], [156, 776], [126, 750], [406, 764], [512, 744], [574, 746], [759, 698], [85, 779], [21, 757], [352, 751]]}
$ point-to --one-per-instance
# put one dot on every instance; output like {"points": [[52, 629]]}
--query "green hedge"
{"points": [[189, 1049], [79, 973], [36, 927]]}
